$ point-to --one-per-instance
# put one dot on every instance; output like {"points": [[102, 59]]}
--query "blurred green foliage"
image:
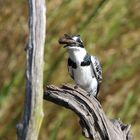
{"points": [[110, 30]]}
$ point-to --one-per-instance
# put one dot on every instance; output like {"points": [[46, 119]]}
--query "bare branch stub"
{"points": [[94, 123]]}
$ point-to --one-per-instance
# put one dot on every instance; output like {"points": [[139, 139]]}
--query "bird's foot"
{"points": [[89, 94], [76, 87]]}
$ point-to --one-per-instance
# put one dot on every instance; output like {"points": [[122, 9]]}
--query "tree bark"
{"points": [[28, 128], [94, 123]]}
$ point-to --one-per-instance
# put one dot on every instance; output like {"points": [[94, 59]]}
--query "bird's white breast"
{"points": [[83, 75]]}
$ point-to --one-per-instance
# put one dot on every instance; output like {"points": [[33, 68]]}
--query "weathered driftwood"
{"points": [[28, 128], [94, 123]]}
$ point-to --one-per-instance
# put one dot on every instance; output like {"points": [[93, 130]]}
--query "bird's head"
{"points": [[71, 42]]}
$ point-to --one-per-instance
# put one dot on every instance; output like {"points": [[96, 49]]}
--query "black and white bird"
{"points": [[82, 67]]}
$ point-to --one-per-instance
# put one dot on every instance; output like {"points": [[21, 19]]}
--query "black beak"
{"points": [[67, 40]]}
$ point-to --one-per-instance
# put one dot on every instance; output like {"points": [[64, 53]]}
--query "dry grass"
{"points": [[110, 30]]}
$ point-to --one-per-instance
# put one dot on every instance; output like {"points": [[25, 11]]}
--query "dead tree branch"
{"points": [[94, 123], [28, 128]]}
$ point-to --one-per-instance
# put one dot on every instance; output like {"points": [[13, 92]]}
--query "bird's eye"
{"points": [[79, 40]]}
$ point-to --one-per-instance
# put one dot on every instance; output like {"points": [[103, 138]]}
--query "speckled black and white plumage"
{"points": [[82, 67]]}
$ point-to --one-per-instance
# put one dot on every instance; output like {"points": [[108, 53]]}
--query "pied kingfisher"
{"points": [[84, 69]]}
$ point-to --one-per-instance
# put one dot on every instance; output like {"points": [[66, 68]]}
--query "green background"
{"points": [[110, 30]]}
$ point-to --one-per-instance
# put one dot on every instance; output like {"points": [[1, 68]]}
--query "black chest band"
{"points": [[71, 63], [85, 62]]}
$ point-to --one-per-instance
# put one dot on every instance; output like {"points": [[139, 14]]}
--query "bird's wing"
{"points": [[97, 70], [70, 70]]}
